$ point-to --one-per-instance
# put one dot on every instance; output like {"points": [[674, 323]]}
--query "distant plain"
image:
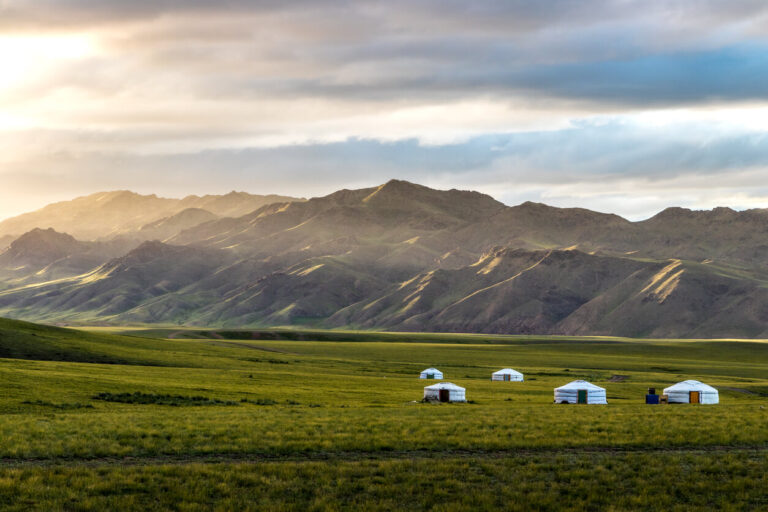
{"points": [[317, 419]]}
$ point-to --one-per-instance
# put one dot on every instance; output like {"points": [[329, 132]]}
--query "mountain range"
{"points": [[399, 256], [111, 214]]}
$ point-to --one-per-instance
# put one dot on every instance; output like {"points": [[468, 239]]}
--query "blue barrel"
{"points": [[652, 399]]}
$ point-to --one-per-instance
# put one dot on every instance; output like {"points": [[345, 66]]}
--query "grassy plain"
{"points": [[301, 421]]}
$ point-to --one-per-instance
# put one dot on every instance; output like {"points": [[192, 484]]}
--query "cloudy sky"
{"points": [[622, 106]]}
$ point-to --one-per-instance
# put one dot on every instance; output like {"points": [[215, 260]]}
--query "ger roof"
{"points": [[580, 384], [507, 370], [445, 385], [690, 385]]}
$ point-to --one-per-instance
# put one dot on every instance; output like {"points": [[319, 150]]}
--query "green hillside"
{"points": [[24, 340]]}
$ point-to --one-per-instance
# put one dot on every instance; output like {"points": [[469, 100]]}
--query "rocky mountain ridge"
{"points": [[402, 256]]}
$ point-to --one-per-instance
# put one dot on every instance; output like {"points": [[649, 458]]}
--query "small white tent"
{"points": [[431, 373], [445, 392], [580, 392], [692, 392], [507, 374]]}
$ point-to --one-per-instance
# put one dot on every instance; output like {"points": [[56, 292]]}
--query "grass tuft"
{"points": [[258, 401], [43, 403], [160, 399]]}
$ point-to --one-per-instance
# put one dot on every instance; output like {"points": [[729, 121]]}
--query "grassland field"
{"points": [[317, 420]]}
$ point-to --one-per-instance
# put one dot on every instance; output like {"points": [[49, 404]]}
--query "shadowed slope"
{"points": [[151, 270], [570, 292], [44, 254], [23, 340], [508, 290], [40, 247]]}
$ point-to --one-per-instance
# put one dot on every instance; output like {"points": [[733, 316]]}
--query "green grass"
{"points": [[549, 481], [113, 424]]}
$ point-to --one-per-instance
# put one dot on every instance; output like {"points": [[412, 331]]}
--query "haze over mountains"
{"points": [[399, 256], [109, 214]]}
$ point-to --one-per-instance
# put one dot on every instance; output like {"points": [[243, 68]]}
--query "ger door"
{"points": [[582, 396]]}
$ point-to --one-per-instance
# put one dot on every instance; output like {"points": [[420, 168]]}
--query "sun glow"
{"points": [[22, 56]]}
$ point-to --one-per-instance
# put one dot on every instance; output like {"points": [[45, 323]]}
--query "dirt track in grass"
{"points": [[351, 456], [236, 344]]}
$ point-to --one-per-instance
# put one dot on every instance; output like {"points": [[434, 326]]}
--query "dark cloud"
{"points": [[729, 74], [483, 15], [607, 54], [610, 52], [733, 73]]}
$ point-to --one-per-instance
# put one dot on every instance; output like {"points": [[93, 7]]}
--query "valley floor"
{"points": [[102, 421]]}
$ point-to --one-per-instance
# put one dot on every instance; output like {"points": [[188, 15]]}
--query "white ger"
{"points": [[445, 392], [692, 392], [580, 392], [431, 373], [507, 374]]}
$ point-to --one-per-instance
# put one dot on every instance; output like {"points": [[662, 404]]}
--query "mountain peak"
{"points": [[400, 194], [533, 204], [675, 213], [41, 246], [401, 184], [151, 249], [672, 212], [396, 189], [38, 238]]}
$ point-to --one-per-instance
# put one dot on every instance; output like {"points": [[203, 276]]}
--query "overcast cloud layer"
{"points": [[623, 106]]}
